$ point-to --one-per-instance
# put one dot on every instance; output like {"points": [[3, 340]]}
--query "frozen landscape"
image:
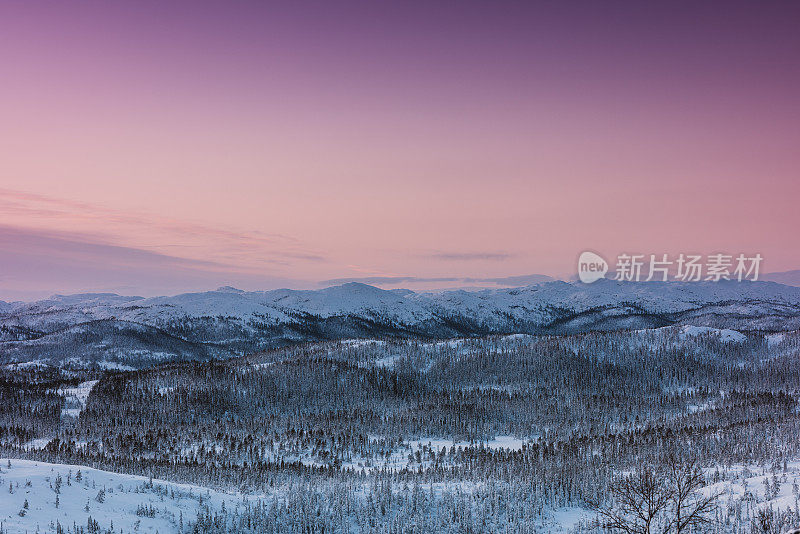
{"points": [[481, 267], [43, 497], [535, 430], [115, 332]]}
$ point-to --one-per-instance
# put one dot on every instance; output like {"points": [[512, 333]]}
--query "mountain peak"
{"points": [[356, 287], [228, 289]]}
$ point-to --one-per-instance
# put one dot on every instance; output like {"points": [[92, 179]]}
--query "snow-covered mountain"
{"points": [[134, 331], [789, 278]]}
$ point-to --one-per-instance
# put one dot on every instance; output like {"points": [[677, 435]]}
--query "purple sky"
{"points": [[158, 147]]}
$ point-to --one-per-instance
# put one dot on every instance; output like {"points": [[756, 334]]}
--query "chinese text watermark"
{"points": [[663, 267]]}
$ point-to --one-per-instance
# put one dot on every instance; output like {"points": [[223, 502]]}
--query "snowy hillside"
{"points": [[38, 496], [115, 330]]}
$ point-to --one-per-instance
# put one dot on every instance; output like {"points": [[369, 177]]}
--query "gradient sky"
{"points": [[158, 147]]}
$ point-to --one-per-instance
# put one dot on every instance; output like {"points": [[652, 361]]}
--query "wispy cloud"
{"points": [[34, 263], [16, 242], [471, 256], [386, 280], [520, 280], [244, 249]]}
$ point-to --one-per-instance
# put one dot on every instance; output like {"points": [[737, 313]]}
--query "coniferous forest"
{"points": [[492, 434]]}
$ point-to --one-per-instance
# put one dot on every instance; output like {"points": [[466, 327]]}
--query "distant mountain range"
{"points": [[130, 332], [789, 278]]}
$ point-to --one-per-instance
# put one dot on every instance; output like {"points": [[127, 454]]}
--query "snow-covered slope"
{"points": [[228, 321], [724, 334], [131, 503], [109, 343]]}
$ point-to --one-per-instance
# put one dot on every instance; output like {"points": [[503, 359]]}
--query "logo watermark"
{"points": [[591, 267], [663, 267]]}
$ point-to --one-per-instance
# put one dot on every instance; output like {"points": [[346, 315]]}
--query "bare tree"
{"points": [[667, 501], [689, 506], [638, 503]]}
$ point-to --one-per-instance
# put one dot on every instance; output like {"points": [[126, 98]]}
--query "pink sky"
{"points": [[153, 147]]}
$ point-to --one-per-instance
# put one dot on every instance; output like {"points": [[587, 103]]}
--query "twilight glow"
{"points": [[158, 147]]}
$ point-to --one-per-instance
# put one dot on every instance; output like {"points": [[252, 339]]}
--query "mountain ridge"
{"points": [[229, 321]]}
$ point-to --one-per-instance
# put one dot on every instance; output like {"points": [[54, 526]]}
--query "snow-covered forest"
{"points": [[513, 433]]}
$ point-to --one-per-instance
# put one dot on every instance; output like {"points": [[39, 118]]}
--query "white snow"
{"points": [[388, 362], [436, 444], [115, 366], [568, 518], [724, 334], [26, 365], [37, 444], [399, 457], [75, 398], [745, 487], [35, 482], [775, 339], [362, 342]]}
